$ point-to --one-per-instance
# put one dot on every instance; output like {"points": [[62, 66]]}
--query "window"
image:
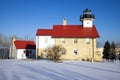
{"points": [[75, 40], [46, 39], [24, 51], [87, 41], [75, 51], [63, 51], [27, 52], [63, 40]]}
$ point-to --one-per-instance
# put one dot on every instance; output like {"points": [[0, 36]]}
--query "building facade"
{"points": [[78, 40]]}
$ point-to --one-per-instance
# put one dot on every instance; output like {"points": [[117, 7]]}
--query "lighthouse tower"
{"points": [[87, 18]]}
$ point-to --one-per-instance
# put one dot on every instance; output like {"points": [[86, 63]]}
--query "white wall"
{"points": [[87, 23], [19, 54], [44, 41]]}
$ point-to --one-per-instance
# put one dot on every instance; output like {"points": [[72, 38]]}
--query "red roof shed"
{"points": [[24, 44]]}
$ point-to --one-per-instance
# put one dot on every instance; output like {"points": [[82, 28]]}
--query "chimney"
{"points": [[12, 47], [64, 21]]}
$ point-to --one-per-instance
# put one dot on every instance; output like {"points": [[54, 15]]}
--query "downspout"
{"points": [[92, 50]]}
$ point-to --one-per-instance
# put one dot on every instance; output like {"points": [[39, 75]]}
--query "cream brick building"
{"points": [[78, 40]]}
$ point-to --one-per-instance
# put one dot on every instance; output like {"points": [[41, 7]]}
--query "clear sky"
{"points": [[24, 17]]}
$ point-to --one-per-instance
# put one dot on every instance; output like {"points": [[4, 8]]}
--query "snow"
{"points": [[67, 70]]}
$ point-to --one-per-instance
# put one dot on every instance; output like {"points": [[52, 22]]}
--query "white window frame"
{"points": [[87, 40], [75, 51]]}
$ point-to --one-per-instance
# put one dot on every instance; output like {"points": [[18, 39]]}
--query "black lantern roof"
{"points": [[87, 14]]}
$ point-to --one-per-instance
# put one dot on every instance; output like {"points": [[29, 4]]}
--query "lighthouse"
{"points": [[87, 18]]}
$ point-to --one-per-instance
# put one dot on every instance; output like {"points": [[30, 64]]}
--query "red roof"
{"points": [[70, 31], [24, 44], [44, 32]]}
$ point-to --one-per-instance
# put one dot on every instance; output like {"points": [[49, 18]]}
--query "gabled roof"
{"points": [[44, 32], [24, 44], [69, 31]]}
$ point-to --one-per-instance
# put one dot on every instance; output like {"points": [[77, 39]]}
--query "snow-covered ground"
{"points": [[68, 70]]}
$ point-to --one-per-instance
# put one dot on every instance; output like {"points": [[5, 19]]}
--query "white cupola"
{"points": [[87, 18]]}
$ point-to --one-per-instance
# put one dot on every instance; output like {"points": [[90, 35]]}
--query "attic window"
{"points": [[63, 40], [75, 40]]}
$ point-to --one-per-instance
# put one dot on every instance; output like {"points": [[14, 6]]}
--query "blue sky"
{"points": [[24, 17]]}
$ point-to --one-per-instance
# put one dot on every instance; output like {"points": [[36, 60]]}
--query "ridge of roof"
{"points": [[66, 30]]}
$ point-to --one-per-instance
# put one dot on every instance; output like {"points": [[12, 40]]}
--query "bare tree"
{"points": [[27, 37], [55, 52], [0, 39], [4, 46], [4, 41], [118, 44]]}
